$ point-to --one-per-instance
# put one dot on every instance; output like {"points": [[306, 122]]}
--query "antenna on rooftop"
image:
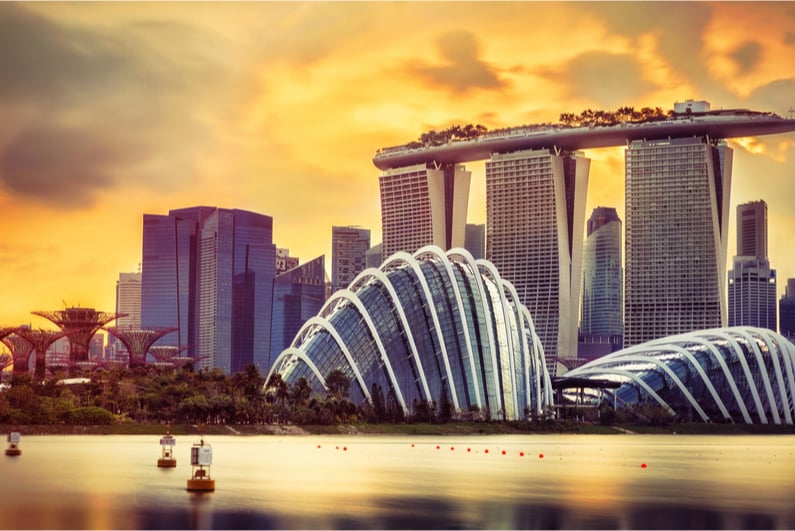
{"points": [[791, 112]]}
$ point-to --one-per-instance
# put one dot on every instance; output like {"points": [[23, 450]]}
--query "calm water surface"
{"points": [[400, 482]]}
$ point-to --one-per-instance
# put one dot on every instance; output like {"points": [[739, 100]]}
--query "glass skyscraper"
{"points": [[298, 295], [210, 272], [535, 214], [602, 286], [677, 210]]}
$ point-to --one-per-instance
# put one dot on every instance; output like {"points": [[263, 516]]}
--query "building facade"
{"points": [[426, 328], [475, 240], [423, 205], [677, 209], [298, 295], [786, 309], [209, 271], [535, 214], [349, 247], [752, 282]]}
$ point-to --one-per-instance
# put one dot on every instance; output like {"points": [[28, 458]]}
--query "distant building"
{"points": [[535, 214], [475, 240], [349, 247], [373, 256], [210, 272], [752, 283], [601, 316], [677, 212], [284, 262], [298, 295], [786, 310], [128, 301], [423, 205]]}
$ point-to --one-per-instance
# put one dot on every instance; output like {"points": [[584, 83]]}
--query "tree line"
{"points": [[153, 394]]}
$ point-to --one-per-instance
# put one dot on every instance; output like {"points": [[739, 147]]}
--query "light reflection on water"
{"points": [[401, 482]]}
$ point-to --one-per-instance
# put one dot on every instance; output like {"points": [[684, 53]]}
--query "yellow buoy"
{"points": [[167, 442], [201, 457], [13, 444]]}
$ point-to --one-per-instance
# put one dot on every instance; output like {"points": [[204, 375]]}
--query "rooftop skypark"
{"points": [[589, 129]]}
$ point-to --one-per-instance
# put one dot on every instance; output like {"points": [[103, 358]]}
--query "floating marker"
{"points": [[167, 442], [437, 446], [452, 448], [201, 457], [503, 452], [643, 465], [486, 451], [469, 449], [541, 456], [13, 444], [521, 454], [344, 448]]}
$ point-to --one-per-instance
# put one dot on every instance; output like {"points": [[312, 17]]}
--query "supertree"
{"points": [[138, 341], [41, 341], [21, 349], [79, 325]]}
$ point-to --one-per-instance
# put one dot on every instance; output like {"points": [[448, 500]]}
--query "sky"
{"points": [[109, 111]]}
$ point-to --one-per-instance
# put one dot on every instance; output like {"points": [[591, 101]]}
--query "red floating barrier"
{"points": [[521, 454], [643, 465], [437, 446], [486, 451], [503, 452], [452, 448], [541, 456], [344, 448], [469, 449]]}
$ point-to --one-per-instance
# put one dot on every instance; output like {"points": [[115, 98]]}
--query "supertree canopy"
{"points": [[138, 341], [41, 341], [80, 325]]}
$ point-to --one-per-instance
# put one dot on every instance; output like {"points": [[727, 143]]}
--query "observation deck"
{"points": [[714, 124]]}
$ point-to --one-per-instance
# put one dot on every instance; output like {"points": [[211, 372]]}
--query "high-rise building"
{"points": [[786, 310], [373, 256], [602, 284], [210, 272], [423, 205], [752, 283], [677, 210], [298, 295], [284, 262], [535, 214], [475, 240], [349, 247], [128, 305]]}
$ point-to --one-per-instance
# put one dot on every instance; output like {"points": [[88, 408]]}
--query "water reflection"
{"points": [[374, 482]]}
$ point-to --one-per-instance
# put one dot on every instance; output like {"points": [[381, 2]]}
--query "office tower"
{"points": [[423, 205], [348, 254], [602, 284], [677, 210], [475, 240], [128, 300], [373, 256], [752, 283], [284, 262], [535, 213], [786, 310], [209, 271], [298, 295]]}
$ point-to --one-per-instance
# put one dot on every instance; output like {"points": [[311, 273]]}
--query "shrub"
{"points": [[90, 415]]}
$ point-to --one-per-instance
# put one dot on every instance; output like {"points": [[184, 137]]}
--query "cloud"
{"points": [[747, 56], [609, 79], [776, 96], [462, 69], [789, 38]]}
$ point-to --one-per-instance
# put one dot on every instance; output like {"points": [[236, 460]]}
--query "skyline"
{"points": [[119, 110]]}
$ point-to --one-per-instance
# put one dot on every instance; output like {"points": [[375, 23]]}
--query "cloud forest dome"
{"points": [[737, 374], [424, 328]]}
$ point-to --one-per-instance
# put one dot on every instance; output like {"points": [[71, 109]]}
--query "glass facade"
{"points": [[425, 326], [737, 374]]}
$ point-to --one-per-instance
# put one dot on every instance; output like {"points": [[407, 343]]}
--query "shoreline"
{"points": [[453, 428]]}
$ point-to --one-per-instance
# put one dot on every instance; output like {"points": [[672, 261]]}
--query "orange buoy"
{"points": [[13, 444], [167, 442], [201, 457]]}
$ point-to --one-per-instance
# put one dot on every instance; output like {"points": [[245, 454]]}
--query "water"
{"points": [[401, 482]]}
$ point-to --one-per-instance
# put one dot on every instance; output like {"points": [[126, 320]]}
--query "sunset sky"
{"points": [[112, 110]]}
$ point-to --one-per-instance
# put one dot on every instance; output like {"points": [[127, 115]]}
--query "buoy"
{"points": [[486, 451], [201, 457], [13, 444], [503, 452], [643, 465], [521, 454], [541, 456], [167, 442]]}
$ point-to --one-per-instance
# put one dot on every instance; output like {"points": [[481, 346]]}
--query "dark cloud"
{"points": [[461, 69], [789, 38], [747, 56], [58, 166], [611, 80], [777, 96], [96, 101]]}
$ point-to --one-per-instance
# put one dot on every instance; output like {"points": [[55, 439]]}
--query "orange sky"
{"points": [[113, 110]]}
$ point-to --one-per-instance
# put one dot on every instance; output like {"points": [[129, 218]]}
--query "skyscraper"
{"points": [[373, 256], [677, 210], [349, 247], [423, 205], [535, 213], [475, 240], [128, 300], [752, 283], [210, 271], [284, 262], [602, 286], [786, 308], [298, 295]]}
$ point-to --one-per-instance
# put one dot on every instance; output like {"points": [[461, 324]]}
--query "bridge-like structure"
{"points": [[713, 124]]}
